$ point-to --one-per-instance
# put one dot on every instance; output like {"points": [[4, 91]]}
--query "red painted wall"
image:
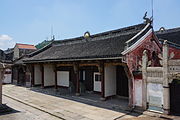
{"points": [[174, 51], [134, 58]]}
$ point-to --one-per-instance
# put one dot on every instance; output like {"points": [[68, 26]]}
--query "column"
{"points": [[12, 74], [1, 76], [166, 94], [18, 75], [76, 71], [32, 75], [101, 70], [55, 73], [130, 85], [144, 80], [42, 72]]}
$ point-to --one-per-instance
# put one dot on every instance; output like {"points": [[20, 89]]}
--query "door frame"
{"points": [[96, 84]]}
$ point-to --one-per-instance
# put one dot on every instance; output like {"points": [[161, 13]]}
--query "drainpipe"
{"points": [[166, 94]]}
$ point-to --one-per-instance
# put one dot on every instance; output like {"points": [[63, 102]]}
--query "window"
{"points": [[84, 73], [97, 77]]}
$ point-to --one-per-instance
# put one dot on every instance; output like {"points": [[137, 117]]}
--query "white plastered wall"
{"points": [[110, 80], [49, 75], [16, 52], [138, 93], [155, 94], [7, 76], [63, 78], [37, 75]]}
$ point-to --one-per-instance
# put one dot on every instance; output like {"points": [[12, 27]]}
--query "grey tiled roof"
{"points": [[19, 61], [171, 35], [104, 45]]}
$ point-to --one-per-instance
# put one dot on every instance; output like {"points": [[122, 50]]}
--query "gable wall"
{"points": [[134, 62], [134, 58]]}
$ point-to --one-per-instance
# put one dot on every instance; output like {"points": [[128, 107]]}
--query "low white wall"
{"points": [[63, 78], [155, 94], [49, 75], [7, 76], [138, 93], [37, 75], [110, 80]]}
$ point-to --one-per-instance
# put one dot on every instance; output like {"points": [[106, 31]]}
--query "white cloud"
{"points": [[6, 42], [5, 37]]}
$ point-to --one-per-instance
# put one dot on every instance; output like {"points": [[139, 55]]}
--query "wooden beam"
{"points": [[88, 64], [64, 64], [115, 63]]}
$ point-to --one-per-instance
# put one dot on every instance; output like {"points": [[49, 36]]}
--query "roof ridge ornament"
{"points": [[147, 20], [162, 29], [87, 35]]}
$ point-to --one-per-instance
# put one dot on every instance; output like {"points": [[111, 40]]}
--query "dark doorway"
{"points": [[21, 77], [86, 76], [122, 82], [175, 97]]}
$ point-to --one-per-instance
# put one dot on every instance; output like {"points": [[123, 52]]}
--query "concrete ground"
{"points": [[30, 104], [23, 112]]}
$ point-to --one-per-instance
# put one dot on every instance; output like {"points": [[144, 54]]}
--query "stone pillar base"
{"points": [[28, 84], [56, 89], [102, 99], [166, 111], [77, 94]]}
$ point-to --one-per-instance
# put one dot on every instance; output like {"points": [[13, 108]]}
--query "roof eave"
{"points": [[70, 60]]}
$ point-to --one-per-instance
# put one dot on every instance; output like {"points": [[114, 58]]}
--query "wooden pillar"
{"points": [[101, 70], [32, 75], [144, 80], [1, 77], [12, 74], [42, 72], [130, 85], [18, 75], [55, 73], [166, 91], [76, 71]]}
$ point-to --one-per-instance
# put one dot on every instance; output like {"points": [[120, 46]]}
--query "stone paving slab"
{"points": [[21, 111], [58, 106], [62, 107]]}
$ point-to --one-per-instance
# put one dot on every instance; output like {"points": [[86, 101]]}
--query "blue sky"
{"points": [[30, 21]]}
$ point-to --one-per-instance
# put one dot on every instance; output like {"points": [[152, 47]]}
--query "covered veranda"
{"points": [[103, 79]]}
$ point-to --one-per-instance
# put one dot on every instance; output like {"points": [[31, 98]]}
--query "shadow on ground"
{"points": [[4, 110]]}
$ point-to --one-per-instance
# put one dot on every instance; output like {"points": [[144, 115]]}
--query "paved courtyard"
{"points": [[24, 112], [33, 105]]}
